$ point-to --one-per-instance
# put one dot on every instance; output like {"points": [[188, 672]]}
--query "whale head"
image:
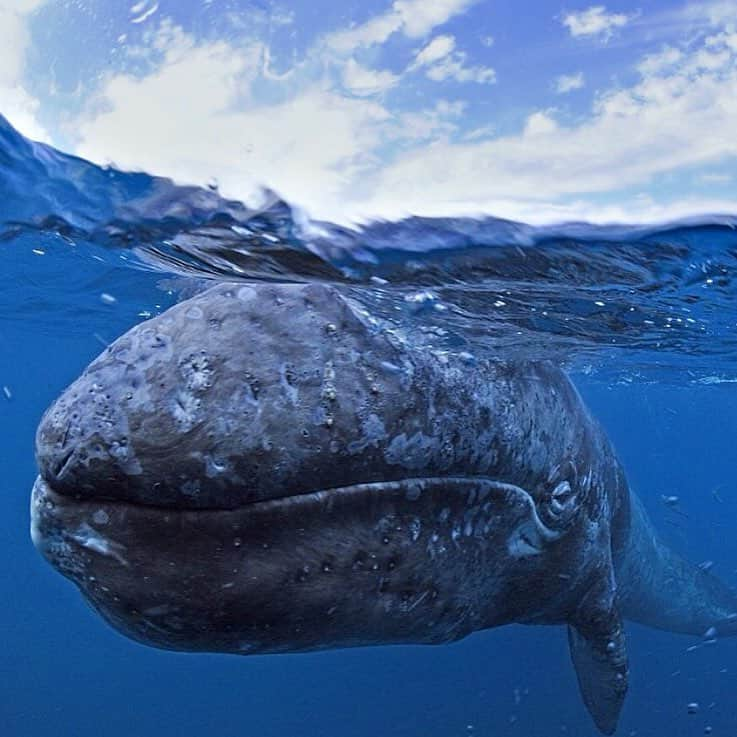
{"points": [[263, 469]]}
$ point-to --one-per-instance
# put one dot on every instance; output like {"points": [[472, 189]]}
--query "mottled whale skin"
{"points": [[262, 468]]}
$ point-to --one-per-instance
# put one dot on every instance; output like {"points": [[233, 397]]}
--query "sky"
{"points": [[539, 111]]}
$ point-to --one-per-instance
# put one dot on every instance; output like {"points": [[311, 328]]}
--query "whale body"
{"points": [[263, 468]]}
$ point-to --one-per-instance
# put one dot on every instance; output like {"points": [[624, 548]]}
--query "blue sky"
{"points": [[541, 111]]}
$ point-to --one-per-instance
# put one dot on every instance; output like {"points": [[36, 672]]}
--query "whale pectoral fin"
{"points": [[599, 656]]}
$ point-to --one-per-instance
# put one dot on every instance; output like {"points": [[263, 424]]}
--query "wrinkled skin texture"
{"points": [[264, 469], [243, 396]]}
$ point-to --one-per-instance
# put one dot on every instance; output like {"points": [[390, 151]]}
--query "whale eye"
{"points": [[561, 496], [561, 502]]}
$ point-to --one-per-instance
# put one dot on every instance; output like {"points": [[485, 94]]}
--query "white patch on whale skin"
{"points": [[194, 313], [407, 606], [196, 371], [414, 452], [528, 538], [126, 458], [290, 391], [435, 546], [89, 538], [214, 466], [390, 367], [61, 555], [455, 533], [328, 382], [373, 433], [184, 409], [246, 294], [56, 549], [415, 529], [50, 540]]}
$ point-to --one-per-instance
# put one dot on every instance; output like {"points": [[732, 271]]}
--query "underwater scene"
{"points": [[436, 472]]}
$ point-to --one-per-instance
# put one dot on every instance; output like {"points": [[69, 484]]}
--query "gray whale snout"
{"points": [[248, 394], [262, 468]]}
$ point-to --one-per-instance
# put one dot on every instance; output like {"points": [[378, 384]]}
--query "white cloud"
{"points": [[194, 118], [21, 7], [661, 61], [21, 110], [142, 11], [15, 102], [14, 37], [595, 21], [419, 17], [196, 115], [452, 109], [438, 48], [365, 82], [476, 134], [454, 67], [540, 123], [716, 12], [714, 178], [569, 82], [438, 122], [728, 39], [667, 121], [414, 18], [690, 21], [443, 62], [375, 31]]}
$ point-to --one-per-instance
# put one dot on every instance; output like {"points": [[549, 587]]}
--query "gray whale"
{"points": [[262, 468]]}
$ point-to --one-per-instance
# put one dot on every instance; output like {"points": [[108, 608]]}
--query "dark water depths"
{"points": [[645, 319]]}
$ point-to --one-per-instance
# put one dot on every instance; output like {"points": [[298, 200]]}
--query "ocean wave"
{"points": [[594, 297]]}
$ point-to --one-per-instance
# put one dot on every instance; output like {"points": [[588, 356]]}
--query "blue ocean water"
{"points": [[643, 318]]}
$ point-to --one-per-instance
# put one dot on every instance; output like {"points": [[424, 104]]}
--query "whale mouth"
{"points": [[63, 522], [212, 579], [412, 487]]}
